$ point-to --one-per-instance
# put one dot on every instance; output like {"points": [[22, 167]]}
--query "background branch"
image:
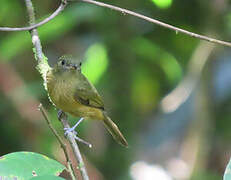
{"points": [[124, 11], [154, 21], [43, 67], [46, 20], [182, 92]]}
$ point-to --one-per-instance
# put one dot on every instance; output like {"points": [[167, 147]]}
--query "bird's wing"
{"points": [[86, 93]]}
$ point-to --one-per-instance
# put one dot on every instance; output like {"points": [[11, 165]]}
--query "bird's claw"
{"points": [[74, 133], [82, 141], [70, 130]]}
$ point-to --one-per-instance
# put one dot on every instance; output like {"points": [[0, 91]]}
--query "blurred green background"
{"points": [[169, 93]]}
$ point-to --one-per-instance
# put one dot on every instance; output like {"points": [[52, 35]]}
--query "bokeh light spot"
{"points": [[96, 62], [162, 3]]}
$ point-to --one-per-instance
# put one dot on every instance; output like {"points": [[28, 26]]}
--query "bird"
{"points": [[70, 91]]}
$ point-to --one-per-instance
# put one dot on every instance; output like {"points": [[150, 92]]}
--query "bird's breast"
{"points": [[62, 93]]}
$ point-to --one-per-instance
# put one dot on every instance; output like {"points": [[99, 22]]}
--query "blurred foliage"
{"points": [[133, 64]]}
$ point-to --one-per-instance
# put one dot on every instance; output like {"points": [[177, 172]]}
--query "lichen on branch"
{"points": [[43, 67]]}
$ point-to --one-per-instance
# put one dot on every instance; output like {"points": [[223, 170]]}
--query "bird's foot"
{"points": [[74, 133], [72, 130], [83, 141]]}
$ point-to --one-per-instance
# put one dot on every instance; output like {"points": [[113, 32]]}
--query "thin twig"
{"points": [[154, 21], [62, 144], [75, 148], [124, 11], [39, 55], [46, 20]]}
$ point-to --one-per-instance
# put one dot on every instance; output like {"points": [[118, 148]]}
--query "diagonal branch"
{"points": [[46, 20], [154, 21], [62, 144]]}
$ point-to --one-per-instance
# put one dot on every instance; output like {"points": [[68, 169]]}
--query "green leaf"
{"points": [[47, 177], [25, 165], [227, 175]]}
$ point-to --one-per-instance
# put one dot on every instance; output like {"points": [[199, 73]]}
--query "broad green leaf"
{"points": [[227, 175], [46, 177], [25, 165]]}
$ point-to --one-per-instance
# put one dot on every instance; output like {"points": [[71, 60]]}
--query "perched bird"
{"points": [[71, 92]]}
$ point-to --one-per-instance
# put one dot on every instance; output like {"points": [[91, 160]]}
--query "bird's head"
{"points": [[67, 64]]}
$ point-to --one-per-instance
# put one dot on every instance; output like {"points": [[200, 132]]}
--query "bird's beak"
{"points": [[73, 66]]}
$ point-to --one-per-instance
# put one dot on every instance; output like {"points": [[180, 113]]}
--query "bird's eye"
{"points": [[63, 62]]}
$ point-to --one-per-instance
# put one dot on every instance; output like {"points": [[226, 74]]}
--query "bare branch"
{"points": [[34, 33], [62, 144], [46, 20], [154, 21]]}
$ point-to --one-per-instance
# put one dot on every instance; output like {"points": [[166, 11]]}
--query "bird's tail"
{"points": [[114, 131]]}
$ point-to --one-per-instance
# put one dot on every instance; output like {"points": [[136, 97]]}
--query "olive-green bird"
{"points": [[71, 92]]}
